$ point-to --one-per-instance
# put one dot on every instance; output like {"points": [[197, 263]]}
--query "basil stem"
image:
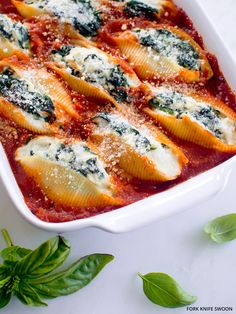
{"points": [[7, 237]]}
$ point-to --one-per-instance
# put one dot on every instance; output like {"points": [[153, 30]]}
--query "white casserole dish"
{"points": [[165, 203]]}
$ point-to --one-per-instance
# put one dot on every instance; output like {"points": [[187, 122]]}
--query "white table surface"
{"points": [[176, 245]]}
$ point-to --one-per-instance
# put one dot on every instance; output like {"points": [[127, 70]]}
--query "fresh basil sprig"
{"points": [[28, 274], [163, 290], [222, 229]]}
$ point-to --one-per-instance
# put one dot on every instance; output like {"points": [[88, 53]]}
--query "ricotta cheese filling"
{"points": [[96, 68], [76, 156], [15, 32], [24, 96], [162, 42], [81, 14], [170, 102], [141, 141]]}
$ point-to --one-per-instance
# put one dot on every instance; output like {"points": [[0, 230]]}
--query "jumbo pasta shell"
{"points": [[189, 130], [66, 187], [141, 165], [83, 87], [7, 49], [43, 80], [26, 10], [149, 63], [11, 112], [100, 78], [147, 69], [62, 184]]}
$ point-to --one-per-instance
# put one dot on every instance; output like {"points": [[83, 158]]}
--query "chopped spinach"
{"points": [[188, 57], [17, 92], [90, 20], [137, 8], [63, 51], [118, 81], [5, 27], [210, 118], [156, 103], [22, 36], [117, 77], [66, 154], [90, 28]]}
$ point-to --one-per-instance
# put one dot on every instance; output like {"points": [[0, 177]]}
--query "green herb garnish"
{"points": [[163, 290], [222, 229], [29, 274]]}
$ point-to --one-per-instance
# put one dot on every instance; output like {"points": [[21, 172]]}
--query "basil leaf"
{"points": [[27, 295], [5, 275], [13, 254], [163, 290], [4, 281], [222, 229], [73, 278], [47, 257], [5, 297]]}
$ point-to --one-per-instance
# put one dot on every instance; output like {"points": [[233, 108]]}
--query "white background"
{"points": [[176, 245]]}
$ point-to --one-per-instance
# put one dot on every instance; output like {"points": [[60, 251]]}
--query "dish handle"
{"points": [[162, 205]]}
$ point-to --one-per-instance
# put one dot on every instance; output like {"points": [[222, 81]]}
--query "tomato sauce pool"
{"points": [[201, 159]]}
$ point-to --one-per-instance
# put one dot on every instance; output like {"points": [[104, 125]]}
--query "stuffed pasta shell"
{"points": [[203, 120], [14, 36], [83, 16], [32, 97], [164, 51], [148, 8], [142, 153], [70, 173], [94, 73]]}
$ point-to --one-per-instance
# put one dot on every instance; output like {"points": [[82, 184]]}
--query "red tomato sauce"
{"points": [[12, 136]]}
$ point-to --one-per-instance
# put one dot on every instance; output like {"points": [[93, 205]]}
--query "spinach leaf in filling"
{"points": [[210, 118], [5, 27], [117, 83], [137, 8]]}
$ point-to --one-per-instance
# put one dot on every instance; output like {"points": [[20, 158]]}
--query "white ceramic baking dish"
{"points": [[163, 204]]}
